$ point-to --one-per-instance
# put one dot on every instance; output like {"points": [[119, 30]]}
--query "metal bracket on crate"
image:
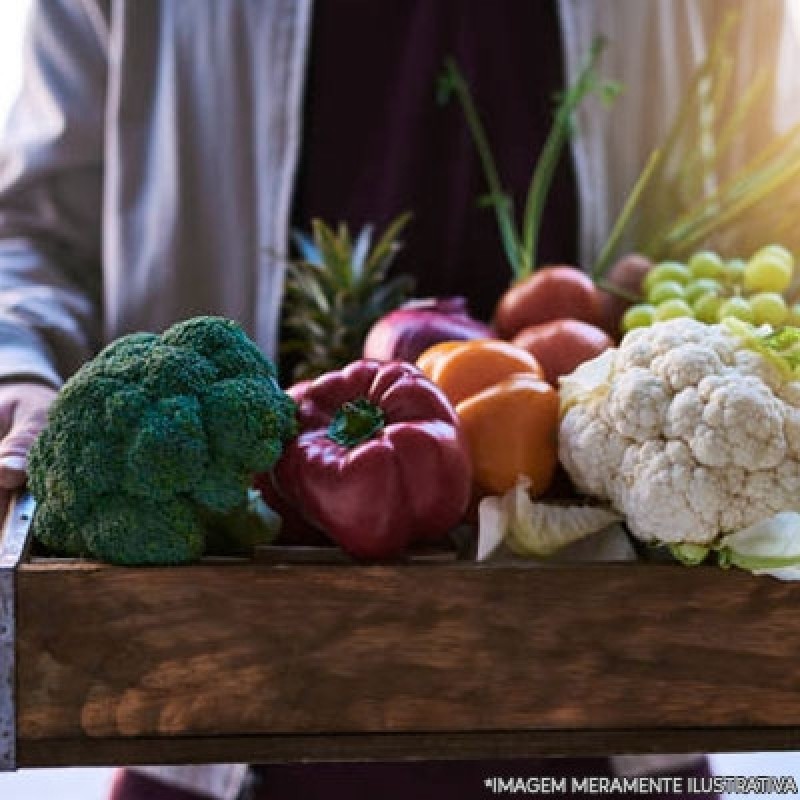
{"points": [[14, 539]]}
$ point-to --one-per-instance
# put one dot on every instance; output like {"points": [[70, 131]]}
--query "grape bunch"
{"points": [[710, 289]]}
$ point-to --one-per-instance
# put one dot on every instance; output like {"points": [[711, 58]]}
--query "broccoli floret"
{"points": [[55, 533], [152, 439], [225, 344], [124, 359], [219, 489], [255, 442], [131, 531], [168, 449]]}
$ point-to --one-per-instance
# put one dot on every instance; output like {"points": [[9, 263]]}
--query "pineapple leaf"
{"points": [[335, 292], [387, 246], [308, 250], [391, 293], [360, 252], [335, 252], [309, 288]]}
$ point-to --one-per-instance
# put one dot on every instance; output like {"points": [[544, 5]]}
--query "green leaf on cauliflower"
{"points": [[780, 347], [769, 547], [786, 343], [691, 555]]}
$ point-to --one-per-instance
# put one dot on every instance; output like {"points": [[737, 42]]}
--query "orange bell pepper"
{"points": [[508, 412]]}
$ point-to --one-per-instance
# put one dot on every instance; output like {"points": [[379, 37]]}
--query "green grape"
{"points": [[734, 271], [777, 251], [769, 308], [767, 273], [666, 271], [706, 264], [673, 308], [706, 308], [665, 290], [638, 316], [737, 307], [794, 315], [702, 286]]}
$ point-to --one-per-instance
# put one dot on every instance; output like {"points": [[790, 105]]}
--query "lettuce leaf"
{"points": [[780, 347], [534, 530], [770, 547]]}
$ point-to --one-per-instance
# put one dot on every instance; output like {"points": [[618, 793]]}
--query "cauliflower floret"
{"points": [[642, 345], [638, 404], [696, 435], [684, 415], [592, 434], [748, 362], [742, 423], [686, 365], [658, 474]]}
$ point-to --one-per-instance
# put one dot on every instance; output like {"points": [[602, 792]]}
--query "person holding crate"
{"points": [[159, 154]]}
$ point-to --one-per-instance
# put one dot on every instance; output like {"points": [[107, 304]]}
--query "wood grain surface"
{"points": [[597, 657]]}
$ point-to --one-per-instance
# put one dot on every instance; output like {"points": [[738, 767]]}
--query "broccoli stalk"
{"points": [[150, 446]]}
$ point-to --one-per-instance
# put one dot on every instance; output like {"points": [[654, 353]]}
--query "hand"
{"points": [[23, 414]]}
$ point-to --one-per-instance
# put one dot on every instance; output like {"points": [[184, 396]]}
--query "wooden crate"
{"points": [[265, 662]]}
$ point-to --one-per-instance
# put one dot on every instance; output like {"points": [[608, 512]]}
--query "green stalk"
{"points": [[741, 203], [688, 111], [688, 107], [603, 262], [693, 176], [521, 250], [454, 81], [770, 159], [617, 291], [707, 153], [355, 422], [550, 155], [753, 93], [698, 171]]}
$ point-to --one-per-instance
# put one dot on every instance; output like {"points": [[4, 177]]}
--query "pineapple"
{"points": [[335, 292]]}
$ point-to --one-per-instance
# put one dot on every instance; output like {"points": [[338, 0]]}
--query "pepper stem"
{"points": [[355, 422]]}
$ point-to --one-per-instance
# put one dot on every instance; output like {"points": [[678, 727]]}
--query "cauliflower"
{"points": [[691, 431]]}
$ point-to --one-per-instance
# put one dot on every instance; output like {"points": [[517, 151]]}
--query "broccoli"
{"points": [[152, 446]]}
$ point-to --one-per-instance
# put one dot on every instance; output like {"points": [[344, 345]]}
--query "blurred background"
{"points": [[54, 784], [12, 28], [92, 784]]}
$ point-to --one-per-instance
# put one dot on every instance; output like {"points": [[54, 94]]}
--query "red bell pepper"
{"points": [[380, 460]]}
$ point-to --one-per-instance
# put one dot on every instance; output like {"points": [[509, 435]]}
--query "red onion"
{"points": [[408, 331]]}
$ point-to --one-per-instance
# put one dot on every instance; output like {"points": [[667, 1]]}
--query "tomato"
{"points": [[628, 274], [561, 345], [550, 293]]}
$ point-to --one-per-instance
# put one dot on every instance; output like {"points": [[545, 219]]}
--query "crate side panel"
{"points": [[248, 650], [444, 746]]}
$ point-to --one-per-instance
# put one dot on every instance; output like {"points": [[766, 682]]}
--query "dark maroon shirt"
{"points": [[376, 143]]}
